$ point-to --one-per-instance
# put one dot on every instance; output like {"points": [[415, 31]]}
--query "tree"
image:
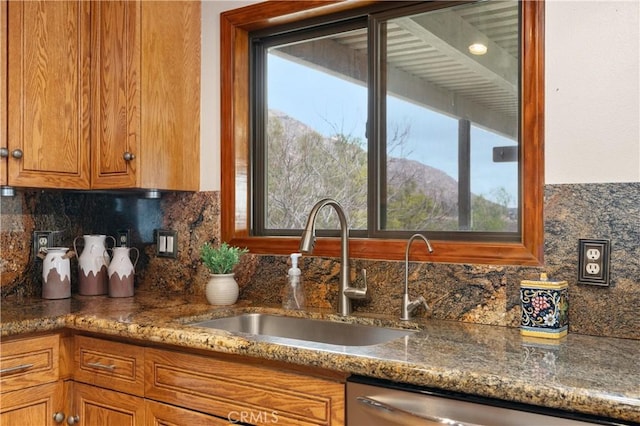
{"points": [[304, 167]]}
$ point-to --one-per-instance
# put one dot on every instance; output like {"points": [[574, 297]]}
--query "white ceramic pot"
{"points": [[222, 289], [121, 271], [93, 263], [56, 274]]}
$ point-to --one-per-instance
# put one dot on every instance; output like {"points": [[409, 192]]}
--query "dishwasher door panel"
{"points": [[380, 406]]}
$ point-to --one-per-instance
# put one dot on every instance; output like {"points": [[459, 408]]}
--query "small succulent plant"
{"points": [[221, 260]]}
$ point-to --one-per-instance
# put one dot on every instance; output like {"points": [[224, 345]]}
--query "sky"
{"points": [[329, 104]]}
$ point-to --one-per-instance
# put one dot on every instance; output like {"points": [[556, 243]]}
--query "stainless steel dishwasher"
{"points": [[372, 402]]}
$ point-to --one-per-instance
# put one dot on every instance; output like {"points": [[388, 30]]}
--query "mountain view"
{"points": [[305, 166]]}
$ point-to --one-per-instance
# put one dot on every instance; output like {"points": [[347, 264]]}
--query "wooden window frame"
{"points": [[235, 26]]}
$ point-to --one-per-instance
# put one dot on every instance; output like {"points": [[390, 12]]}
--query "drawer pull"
{"points": [[109, 367], [15, 369]]}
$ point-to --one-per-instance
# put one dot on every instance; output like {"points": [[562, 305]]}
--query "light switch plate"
{"points": [[166, 243]]}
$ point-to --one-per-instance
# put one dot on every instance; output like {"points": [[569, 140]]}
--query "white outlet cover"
{"points": [[593, 262], [592, 268], [593, 254]]}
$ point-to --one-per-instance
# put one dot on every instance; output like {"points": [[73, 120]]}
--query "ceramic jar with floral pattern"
{"points": [[545, 307]]}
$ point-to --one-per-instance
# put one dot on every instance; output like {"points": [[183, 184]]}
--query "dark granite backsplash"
{"points": [[473, 293]]}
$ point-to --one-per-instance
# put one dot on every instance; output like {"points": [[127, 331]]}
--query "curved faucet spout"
{"points": [[309, 233], [307, 242], [409, 306]]}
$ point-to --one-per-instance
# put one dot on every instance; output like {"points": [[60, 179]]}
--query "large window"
{"points": [[387, 110]]}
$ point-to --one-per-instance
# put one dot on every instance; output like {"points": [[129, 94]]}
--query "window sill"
{"points": [[376, 249]]}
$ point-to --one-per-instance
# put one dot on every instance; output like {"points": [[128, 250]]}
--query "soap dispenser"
{"points": [[293, 297]]}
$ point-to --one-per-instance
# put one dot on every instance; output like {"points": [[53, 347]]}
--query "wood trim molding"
{"points": [[235, 26]]}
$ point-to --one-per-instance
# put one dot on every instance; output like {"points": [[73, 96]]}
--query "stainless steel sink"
{"points": [[311, 330]]}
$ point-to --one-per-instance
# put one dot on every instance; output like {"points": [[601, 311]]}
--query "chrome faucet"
{"points": [[346, 292], [409, 306]]}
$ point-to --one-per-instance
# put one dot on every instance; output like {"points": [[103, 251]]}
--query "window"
{"points": [[386, 199]]}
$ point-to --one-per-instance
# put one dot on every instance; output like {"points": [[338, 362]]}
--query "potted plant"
{"points": [[222, 288]]}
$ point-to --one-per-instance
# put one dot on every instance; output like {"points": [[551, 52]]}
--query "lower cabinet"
{"points": [[98, 406], [117, 383], [240, 392], [37, 405], [158, 414], [31, 383], [108, 364], [81, 380]]}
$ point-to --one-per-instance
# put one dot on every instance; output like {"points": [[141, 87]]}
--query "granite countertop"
{"points": [[593, 375]]}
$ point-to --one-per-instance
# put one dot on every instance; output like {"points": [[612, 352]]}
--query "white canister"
{"points": [[56, 273], [121, 272]]}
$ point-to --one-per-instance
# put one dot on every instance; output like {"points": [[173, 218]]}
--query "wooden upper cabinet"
{"points": [[4, 153], [104, 95], [115, 76], [146, 95], [170, 128], [48, 80]]}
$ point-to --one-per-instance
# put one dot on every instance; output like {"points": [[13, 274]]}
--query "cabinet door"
{"points": [[48, 73], [170, 116], [158, 414], [33, 406], [95, 406], [4, 151], [115, 66]]}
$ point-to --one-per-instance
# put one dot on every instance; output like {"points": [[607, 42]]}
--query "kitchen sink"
{"points": [[307, 329]]}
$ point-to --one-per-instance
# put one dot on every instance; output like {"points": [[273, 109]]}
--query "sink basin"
{"points": [[312, 330]]}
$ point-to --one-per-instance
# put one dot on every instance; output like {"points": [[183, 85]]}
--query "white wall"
{"points": [[592, 115], [592, 60]]}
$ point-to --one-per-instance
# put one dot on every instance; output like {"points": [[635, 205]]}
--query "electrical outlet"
{"points": [[166, 243], [42, 239], [593, 262], [124, 238]]}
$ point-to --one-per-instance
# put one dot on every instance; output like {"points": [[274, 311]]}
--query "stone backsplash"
{"points": [[462, 292]]}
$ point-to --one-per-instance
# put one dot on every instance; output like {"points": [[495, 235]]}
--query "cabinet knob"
{"points": [[72, 420], [58, 417], [128, 156], [16, 153], [4, 152]]}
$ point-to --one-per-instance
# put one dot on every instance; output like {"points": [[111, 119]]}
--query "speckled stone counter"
{"points": [[593, 375]]}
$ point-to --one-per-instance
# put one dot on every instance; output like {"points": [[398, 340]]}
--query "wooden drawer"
{"points": [[157, 413], [112, 365], [242, 392], [29, 362]]}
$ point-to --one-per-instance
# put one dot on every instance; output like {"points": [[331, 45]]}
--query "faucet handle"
{"points": [[355, 292], [422, 300], [411, 306]]}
